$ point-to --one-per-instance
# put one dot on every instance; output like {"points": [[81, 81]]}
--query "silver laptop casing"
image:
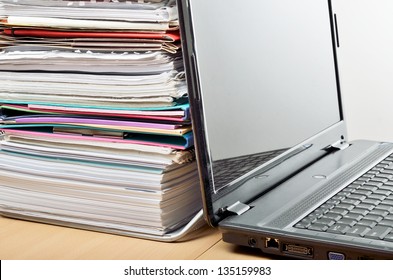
{"points": [[259, 208]]}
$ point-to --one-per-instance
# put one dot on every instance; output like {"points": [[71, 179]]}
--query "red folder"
{"points": [[45, 33]]}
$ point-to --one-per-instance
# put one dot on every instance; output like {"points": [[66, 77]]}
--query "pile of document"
{"points": [[95, 125]]}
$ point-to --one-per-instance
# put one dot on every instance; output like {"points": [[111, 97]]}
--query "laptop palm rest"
{"points": [[286, 204]]}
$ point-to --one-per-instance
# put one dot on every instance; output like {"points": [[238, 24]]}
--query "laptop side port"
{"points": [[298, 250], [272, 243], [335, 256], [252, 242]]}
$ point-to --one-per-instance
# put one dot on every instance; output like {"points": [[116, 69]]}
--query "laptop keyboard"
{"points": [[227, 170], [362, 209]]}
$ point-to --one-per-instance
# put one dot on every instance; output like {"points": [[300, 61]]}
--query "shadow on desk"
{"points": [[26, 240], [226, 251]]}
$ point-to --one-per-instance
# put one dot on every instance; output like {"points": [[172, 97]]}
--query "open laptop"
{"points": [[276, 169]]}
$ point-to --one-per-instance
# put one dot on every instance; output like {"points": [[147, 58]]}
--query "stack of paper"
{"points": [[95, 127]]}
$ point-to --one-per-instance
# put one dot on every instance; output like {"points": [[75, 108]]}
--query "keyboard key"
{"points": [[387, 202], [389, 167], [357, 184], [339, 211], [318, 227], [325, 221], [389, 217], [357, 196], [383, 192], [365, 206], [368, 188], [339, 197], [367, 223], [372, 201], [390, 182], [387, 171], [383, 207], [315, 215], [326, 206], [382, 165], [388, 237], [344, 206], [379, 212], [339, 228], [373, 218], [361, 179], [333, 201], [308, 220], [377, 170], [351, 201], [353, 216], [332, 216], [302, 225], [320, 211], [379, 179], [384, 175], [343, 193], [377, 196], [358, 231], [362, 192], [350, 189], [348, 222], [386, 188], [378, 232], [359, 211], [368, 175], [384, 222], [374, 184]]}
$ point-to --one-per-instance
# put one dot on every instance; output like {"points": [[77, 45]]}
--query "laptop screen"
{"points": [[266, 76]]}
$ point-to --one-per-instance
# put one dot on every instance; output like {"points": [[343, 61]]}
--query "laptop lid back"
{"points": [[262, 76]]}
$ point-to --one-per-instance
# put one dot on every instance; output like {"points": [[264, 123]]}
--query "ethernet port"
{"points": [[272, 243]]}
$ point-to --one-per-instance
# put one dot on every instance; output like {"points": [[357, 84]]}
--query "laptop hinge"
{"points": [[339, 145], [237, 208]]}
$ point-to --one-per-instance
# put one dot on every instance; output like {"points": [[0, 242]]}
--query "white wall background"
{"points": [[366, 67]]}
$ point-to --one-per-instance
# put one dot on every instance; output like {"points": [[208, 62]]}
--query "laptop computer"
{"points": [[277, 172]]}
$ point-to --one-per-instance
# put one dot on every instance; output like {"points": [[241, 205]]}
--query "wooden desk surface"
{"points": [[28, 240]]}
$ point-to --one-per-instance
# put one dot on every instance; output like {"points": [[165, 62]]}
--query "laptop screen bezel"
{"points": [[280, 168]]}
